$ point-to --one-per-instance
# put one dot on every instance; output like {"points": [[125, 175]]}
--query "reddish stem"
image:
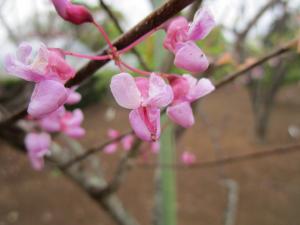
{"points": [[138, 41], [142, 72], [105, 36], [102, 57]]}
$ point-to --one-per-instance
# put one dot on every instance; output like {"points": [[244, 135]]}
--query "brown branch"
{"points": [[121, 171], [92, 151], [274, 54], [281, 150], [114, 19], [155, 19]]}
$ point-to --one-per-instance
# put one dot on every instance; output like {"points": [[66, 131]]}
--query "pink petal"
{"points": [[75, 132], [176, 32], [160, 93], [155, 146], [112, 133], [188, 158], [111, 148], [197, 90], [125, 91], [181, 114], [202, 25], [180, 87], [190, 57], [51, 122], [57, 65], [76, 14], [127, 142], [37, 146], [47, 97], [146, 125], [73, 98], [20, 66]]}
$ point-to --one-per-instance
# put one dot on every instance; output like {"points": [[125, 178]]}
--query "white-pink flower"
{"points": [[181, 37], [64, 121], [186, 89], [145, 97], [49, 70], [37, 145]]}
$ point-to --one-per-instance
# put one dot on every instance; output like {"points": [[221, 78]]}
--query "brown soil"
{"points": [[269, 191]]}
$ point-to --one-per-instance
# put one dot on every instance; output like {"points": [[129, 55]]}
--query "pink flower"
{"points": [[49, 70], [186, 89], [73, 97], [37, 146], [127, 142], [188, 158], [181, 37], [64, 121], [76, 14], [155, 146], [145, 96], [112, 134]]}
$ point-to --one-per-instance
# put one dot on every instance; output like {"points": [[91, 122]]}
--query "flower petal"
{"points": [[125, 91], [202, 25], [75, 132], [203, 87], [190, 57], [73, 98], [177, 30], [181, 114], [160, 93], [37, 146], [111, 148], [146, 127], [47, 97]]}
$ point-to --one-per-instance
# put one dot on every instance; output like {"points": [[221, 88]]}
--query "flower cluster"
{"points": [[181, 37], [146, 97]]}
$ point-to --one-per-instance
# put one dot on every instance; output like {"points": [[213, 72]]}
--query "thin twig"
{"points": [[276, 53], [279, 150], [92, 151], [121, 171]]}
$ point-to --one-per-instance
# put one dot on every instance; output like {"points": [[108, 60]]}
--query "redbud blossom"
{"points": [[145, 96], [49, 70], [76, 14], [181, 37], [64, 121], [37, 145], [188, 158], [186, 89]]}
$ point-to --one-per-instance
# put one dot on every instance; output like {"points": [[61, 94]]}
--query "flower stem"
{"points": [[142, 72], [105, 35], [102, 57]]}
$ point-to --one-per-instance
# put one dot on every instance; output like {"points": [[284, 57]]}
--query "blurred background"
{"points": [[258, 111]]}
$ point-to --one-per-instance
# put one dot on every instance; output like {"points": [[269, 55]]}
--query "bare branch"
{"points": [[279, 150], [274, 54], [92, 151]]}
